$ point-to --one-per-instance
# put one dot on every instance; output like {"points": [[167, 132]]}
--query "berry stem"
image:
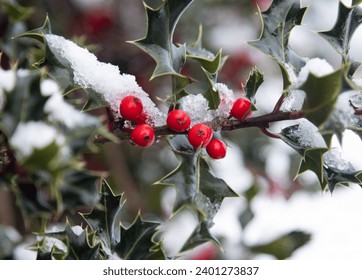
{"points": [[225, 124]]}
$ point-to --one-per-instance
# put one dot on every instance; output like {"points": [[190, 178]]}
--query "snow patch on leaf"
{"points": [[103, 78], [61, 111], [34, 135], [334, 160], [294, 101], [316, 66], [307, 135], [7, 80]]}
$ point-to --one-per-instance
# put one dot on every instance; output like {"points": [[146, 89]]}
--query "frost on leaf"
{"points": [[343, 116], [328, 166]]}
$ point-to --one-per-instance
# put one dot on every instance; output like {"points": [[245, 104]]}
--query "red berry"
{"points": [[199, 135], [240, 108], [131, 108], [143, 135], [178, 120], [216, 149], [141, 119]]}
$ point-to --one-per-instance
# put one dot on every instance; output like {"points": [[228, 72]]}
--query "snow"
{"points": [[307, 135], [197, 107], [294, 101], [333, 223], [60, 110], [103, 78], [334, 160], [33, 135], [316, 66], [227, 98], [50, 242], [77, 230], [7, 80]]}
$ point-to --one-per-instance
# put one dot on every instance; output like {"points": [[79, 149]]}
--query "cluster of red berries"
{"points": [[131, 109], [199, 135]]}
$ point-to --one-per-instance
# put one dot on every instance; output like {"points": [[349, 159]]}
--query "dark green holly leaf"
{"points": [[42, 159], [277, 23], [339, 171], [321, 96], [46, 256], [158, 42], [106, 220], [356, 2], [211, 93], [79, 244], [137, 241], [209, 61], [196, 187], [340, 35], [211, 192], [199, 236], [256, 78], [311, 149], [79, 188], [313, 160], [15, 11], [60, 69], [284, 246], [184, 176], [24, 103], [329, 168], [246, 216]]}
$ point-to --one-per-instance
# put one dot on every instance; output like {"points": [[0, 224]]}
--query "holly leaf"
{"points": [[79, 242], [321, 96], [183, 178], [284, 246], [312, 160], [348, 20], [106, 220], [330, 169], [339, 171], [16, 12], [137, 241], [79, 188], [161, 23], [256, 78], [356, 2], [60, 69], [312, 155], [24, 103], [196, 187], [200, 235], [277, 23], [209, 61], [211, 93]]}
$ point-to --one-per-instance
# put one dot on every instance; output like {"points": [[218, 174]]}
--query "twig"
{"points": [[261, 122]]}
